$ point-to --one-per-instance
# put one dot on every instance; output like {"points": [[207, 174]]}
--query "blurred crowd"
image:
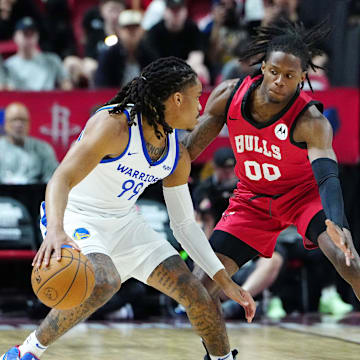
{"points": [[67, 44]]}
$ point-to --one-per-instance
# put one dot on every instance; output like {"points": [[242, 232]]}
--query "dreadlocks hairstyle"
{"points": [[148, 91], [289, 38]]}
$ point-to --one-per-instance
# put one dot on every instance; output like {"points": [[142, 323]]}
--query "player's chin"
{"points": [[276, 99]]}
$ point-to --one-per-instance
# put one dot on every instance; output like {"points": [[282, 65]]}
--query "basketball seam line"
{"points": [[86, 284], [55, 274], [77, 270]]}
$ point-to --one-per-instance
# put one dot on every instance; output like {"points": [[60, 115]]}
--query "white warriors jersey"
{"points": [[115, 184]]}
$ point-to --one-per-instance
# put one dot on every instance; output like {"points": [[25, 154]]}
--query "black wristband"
{"points": [[326, 173]]}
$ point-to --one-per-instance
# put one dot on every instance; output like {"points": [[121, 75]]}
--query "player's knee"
{"points": [[196, 294], [106, 286]]}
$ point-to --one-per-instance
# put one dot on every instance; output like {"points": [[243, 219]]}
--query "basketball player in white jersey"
{"points": [[127, 145]]}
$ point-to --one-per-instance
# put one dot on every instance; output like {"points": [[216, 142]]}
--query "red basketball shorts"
{"points": [[258, 220]]}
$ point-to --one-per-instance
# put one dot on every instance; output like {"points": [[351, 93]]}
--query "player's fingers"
{"points": [[250, 312], [347, 260], [39, 256], [35, 258], [74, 245], [47, 255], [57, 251]]}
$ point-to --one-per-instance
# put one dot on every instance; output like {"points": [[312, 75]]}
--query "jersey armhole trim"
{"points": [[303, 145], [228, 103], [177, 152], [107, 160]]}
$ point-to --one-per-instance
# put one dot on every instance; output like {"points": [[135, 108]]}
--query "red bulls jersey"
{"points": [[268, 160]]}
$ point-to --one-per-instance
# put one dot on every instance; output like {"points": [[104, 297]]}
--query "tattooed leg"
{"points": [[174, 279], [107, 283]]}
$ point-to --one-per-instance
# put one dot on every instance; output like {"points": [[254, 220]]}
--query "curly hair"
{"points": [[148, 91], [290, 38]]}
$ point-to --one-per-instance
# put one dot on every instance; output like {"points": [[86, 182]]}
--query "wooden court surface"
{"points": [[171, 342]]}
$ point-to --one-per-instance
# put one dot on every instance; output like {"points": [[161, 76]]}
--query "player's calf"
{"points": [[58, 322]]}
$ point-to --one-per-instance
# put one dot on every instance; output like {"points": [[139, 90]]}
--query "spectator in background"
{"points": [[236, 68], [11, 11], [121, 62], [24, 159], [211, 197], [100, 22], [224, 33], [3, 82], [99, 25], [276, 9], [177, 35], [61, 36], [30, 68]]}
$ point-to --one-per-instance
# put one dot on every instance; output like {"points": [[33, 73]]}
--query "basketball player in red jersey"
{"points": [[286, 166]]}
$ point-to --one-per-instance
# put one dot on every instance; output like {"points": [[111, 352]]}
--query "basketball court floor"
{"points": [[294, 338]]}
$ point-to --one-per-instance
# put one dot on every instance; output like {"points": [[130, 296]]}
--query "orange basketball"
{"points": [[66, 283]]}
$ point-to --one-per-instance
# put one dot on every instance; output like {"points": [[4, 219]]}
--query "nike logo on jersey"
{"points": [[254, 143], [40, 347], [231, 118], [132, 153]]}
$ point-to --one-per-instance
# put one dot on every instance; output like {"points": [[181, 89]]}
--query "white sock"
{"points": [[32, 345], [225, 357]]}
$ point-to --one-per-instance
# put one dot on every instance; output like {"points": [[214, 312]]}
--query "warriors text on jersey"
{"points": [[115, 184], [268, 160]]}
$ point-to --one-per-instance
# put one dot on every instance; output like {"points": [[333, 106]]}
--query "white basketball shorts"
{"points": [[134, 247]]}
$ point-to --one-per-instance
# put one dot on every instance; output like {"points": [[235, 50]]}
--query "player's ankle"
{"points": [[32, 345], [224, 357]]}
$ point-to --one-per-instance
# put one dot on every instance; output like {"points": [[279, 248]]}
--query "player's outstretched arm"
{"points": [[211, 121], [97, 141], [314, 129], [193, 239]]}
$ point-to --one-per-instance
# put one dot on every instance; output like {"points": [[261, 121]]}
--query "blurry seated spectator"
{"points": [[30, 68], [177, 35], [61, 34], [211, 197], [121, 62], [3, 82], [224, 33], [276, 9], [11, 11], [237, 69], [24, 159], [100, 22]]}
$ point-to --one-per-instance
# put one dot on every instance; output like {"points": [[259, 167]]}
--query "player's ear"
{"points": [[303, 76], [263, 67], [178, 98]]}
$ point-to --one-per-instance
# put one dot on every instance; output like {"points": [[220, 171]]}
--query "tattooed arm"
{"points": [[212, 120], [192, 238]]}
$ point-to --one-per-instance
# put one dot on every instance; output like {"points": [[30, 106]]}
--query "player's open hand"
{"points": [[341, 238], [53, 242], [241, 296]]}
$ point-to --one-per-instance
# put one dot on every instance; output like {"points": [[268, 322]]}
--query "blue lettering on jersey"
{"points": [[137, 174]]}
